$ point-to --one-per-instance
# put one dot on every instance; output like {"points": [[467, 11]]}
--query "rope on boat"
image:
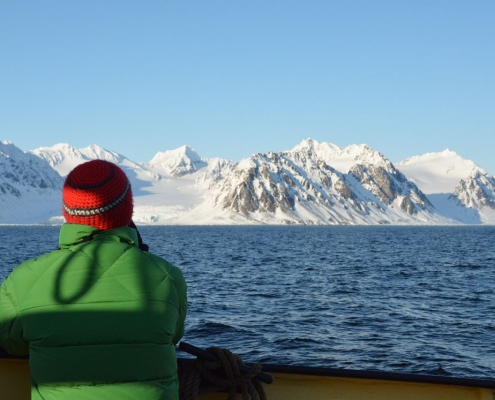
{"points": [[221, 374]]}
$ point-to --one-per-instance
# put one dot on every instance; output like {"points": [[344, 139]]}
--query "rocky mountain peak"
{"points": [[324, 151], [299, 186], [477, 191]]}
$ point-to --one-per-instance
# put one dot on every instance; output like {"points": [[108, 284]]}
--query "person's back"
{"points": [[99, 317]]}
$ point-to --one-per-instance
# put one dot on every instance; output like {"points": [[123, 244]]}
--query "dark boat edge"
{"points": [[349, 373], [380, 375]]}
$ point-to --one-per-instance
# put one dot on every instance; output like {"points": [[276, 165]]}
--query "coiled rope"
{"points": [[220, 374]]}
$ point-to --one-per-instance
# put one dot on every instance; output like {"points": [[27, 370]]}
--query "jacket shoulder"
{"points": [[24, 276], [170, 269]]}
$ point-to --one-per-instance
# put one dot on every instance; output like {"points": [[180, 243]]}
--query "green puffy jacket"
{"points": [[98, 318]]}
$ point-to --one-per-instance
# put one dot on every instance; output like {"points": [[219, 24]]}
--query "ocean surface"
{"points": [[400, 299]]}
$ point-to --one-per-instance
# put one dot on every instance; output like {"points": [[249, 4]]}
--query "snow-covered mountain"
{"points": [[314, 183], [457, 187], [300, 187], [163, 188], [437, 172], [178, 162], [63, 157], [29, 187]]}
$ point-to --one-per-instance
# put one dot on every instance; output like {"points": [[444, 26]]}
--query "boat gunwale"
{"points": [[347, 373], [379, 375]]}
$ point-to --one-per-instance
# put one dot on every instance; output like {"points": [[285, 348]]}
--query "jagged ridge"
{"points": [[300, 187]]}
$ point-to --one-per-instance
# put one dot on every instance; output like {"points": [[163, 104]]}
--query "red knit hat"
{"points": [[97, 193]]}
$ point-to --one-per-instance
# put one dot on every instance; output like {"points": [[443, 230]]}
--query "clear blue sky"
{"points": [[232, 78]]}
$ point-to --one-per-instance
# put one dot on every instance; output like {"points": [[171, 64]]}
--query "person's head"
{"points": [[97, 193]]}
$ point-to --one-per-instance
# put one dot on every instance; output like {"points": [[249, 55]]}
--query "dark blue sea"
{"points": [[400, 299]]}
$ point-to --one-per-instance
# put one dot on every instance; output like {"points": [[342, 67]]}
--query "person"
{"points": [[100, 316]]}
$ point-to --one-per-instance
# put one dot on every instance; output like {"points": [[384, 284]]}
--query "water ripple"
{"points": [[401, 299]]}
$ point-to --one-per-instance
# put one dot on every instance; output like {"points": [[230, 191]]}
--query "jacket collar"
{"points": [[71, 234]]}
